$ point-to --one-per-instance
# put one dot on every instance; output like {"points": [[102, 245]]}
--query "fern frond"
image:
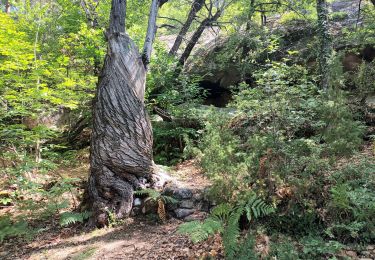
{"points": [[153, 194], [199, 231], [169, 199], [232, 232], [68, 218], [222, 211]]}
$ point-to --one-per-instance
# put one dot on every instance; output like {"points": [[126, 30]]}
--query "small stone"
{"points": [[181, 213], [351, 254], [178, 193], [204, 206], [198, 196], [196, 216], [366, 253], [370, 247], [187, 204], [137, 202]]}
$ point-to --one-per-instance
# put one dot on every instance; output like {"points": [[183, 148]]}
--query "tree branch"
{"points": [[172, 19], [151, 31]]}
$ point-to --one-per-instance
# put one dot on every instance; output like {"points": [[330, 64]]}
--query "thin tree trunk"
{"points": [[91, 13], [195, 8], [197, 34], [121, 143], [325, 48], [151, 31], [7, 7]]}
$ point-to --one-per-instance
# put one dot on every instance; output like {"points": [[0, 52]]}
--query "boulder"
{"points": [[178, 193], [187, 204], [182, 213]]}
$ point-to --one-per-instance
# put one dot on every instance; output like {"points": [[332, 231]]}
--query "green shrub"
{"points": [[317, 248], [8, 228], [351, 207], [284, 249], [283, 140], [224, 219]]}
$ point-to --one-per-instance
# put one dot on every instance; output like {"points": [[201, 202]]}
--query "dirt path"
{"points": [[137, 238]]}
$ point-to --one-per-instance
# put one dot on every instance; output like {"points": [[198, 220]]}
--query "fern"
{"points": [[246, 249], [156, 195], [200, 231], [69, 218], [161, 199], [14, 229], [224, 219]]}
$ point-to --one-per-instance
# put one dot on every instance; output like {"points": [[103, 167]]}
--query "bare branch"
{"points": [[172, 19]]}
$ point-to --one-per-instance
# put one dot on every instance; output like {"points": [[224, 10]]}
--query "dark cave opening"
{"points": [[215, 94]]}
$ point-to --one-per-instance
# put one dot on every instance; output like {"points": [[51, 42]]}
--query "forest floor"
{"points": [[136, 238], [141, 237]]}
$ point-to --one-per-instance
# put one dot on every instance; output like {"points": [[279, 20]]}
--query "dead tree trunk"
{"points": [[195, 8], [7, 7], [325, 49], [195, 37], [121, 143]]}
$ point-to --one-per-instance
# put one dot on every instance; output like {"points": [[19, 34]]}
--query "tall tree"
{"points": [[215, 10], [121, 143], [195, 8], [325, 49]]}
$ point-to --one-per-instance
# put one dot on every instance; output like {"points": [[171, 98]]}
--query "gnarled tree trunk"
{"points": [[121, 143]]}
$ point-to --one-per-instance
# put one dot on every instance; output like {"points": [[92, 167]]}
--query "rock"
{"points": [[351, 254], [137, 202], [182, 213], [204, 206], [187, 204], [178, 193], [370, 247], [198, 196], [370, 101], [366, 253], [196, 216], [161, 177]]}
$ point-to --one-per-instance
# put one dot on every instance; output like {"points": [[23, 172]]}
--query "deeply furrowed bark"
{"points": [[121, 142]]}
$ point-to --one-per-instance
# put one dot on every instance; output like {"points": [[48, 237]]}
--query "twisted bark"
{"points": [[121, 143]]}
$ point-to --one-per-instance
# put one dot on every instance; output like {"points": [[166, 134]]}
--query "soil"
{"points": [[136, 238]]}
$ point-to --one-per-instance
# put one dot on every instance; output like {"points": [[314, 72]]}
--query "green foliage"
{"points": [[285, 121], [69, 218], [224, 219], [8, 228], [284, 249], [170, 141], [352, 204], [317, 248], [365, 77], [156, 195]]}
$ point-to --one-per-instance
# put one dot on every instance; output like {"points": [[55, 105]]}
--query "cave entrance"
{"points": [[215, 94]]}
